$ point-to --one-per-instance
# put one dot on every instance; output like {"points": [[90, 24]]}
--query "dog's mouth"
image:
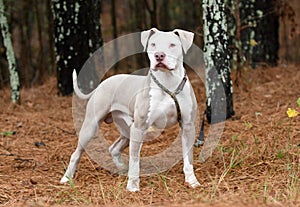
{"points": [[163, 67]]}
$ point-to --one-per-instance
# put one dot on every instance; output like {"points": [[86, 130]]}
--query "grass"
{"points": [[72, 194], [238, 155], [266, 173], [164, 180], [244, 166]]}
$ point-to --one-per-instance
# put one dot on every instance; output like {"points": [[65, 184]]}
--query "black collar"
{"points": [[172, 94]]}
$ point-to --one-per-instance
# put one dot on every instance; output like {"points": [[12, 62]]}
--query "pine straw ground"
{"points": [[257, 162]]}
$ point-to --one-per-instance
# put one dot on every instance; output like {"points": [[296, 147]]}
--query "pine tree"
{"points": [[254, 31], [219, 91], [260, 40], [12, 63], [77, 35]]}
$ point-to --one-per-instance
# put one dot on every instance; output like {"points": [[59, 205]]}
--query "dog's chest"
{"points": [[162, 110]]}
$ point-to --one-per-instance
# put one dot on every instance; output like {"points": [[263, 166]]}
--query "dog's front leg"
{"points": [[188, 133], [135, 145]]}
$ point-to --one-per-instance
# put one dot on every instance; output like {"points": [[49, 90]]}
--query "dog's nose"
{"points": [[159, 56]]}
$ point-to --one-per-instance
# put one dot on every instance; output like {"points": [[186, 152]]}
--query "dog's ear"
{"points": [[186, 38], [145, 35]]}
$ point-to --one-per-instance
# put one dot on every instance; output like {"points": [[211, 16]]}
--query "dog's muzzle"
{"points": [[160, 59]]}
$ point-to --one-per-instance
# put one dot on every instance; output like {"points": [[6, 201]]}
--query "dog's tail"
{"points": [[77, 90]]}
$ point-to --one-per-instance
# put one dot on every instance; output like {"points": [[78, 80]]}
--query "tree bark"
{"points": [[164, 21], [26, 28], [137, 12], [14, 76], [234, 30], [77, 35], [115, 33], [153, 12], [219, 100], [41, 63], [50, 30], [254, 31], [138, 24]]}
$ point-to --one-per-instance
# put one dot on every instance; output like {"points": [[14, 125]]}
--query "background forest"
{"points": [[32, 28], [256, 162]]}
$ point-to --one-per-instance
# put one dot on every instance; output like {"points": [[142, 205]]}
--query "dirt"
{"points": [[256, 163]]}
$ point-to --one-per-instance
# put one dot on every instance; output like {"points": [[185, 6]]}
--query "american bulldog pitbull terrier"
{"points": [[136, 103]]}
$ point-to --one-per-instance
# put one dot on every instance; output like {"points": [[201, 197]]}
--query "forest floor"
{"points": [[257, 161]]}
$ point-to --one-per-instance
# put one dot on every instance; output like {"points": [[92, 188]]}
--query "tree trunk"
{"points": [[77, 35], [114, 19], [234, 30], [255, 31], [115, 33], [41, 62], [219, 90], [14, 76], [164, 20], [26, 28], [153, 12], [50, 30], [138, 24], [137, 13]]}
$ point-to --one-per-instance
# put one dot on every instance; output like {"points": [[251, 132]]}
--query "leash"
{"points": [[200, 140], [172, 94]]}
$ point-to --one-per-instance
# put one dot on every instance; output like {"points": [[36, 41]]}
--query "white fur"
{"points": [[137, 104]]}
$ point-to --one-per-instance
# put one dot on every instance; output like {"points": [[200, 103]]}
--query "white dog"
{"points": [[136, 103]]}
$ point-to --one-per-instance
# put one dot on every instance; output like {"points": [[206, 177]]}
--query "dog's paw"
{"points": [[133, 185], [120, 164], [192, 181], [132, 189], [194, 184], [64, 180]]}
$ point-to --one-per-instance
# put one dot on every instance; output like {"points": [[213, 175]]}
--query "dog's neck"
{"points": [[170, 79]]}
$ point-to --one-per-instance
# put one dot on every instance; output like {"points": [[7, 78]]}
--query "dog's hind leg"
{"points": [[87, 131], [123, 121], [116, 149]]}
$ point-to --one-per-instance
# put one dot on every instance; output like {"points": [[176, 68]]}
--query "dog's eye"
{"points": [[152, 44], [172, 45]]}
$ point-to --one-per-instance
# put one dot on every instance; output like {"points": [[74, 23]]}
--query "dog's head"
{"points": [[165, 49]]}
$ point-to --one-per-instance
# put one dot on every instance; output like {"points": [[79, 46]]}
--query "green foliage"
{"points": [[280, 154], [7, 134], [249, 125]]}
